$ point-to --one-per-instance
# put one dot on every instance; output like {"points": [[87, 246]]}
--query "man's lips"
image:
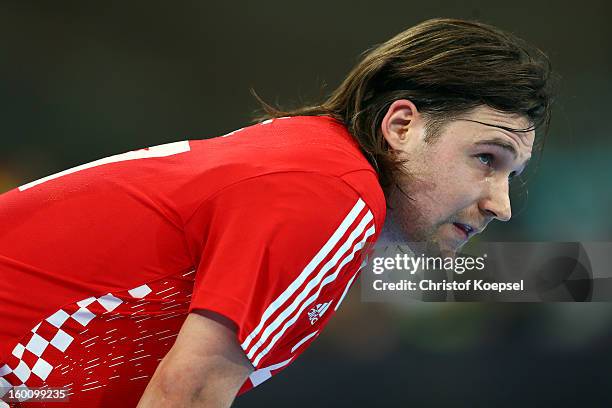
{"points": [[466, 229]]}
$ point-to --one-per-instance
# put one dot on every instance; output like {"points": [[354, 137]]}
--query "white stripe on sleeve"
{"points": [[313, 282], [304, 340], [312, 265], [310, 300]]}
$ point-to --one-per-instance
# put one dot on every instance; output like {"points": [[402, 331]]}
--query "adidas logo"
{"points": [[317, 312]]}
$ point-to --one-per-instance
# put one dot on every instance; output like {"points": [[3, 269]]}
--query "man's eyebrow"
{"points": [[500, 143]]}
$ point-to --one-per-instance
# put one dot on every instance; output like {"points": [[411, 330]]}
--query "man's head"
{"points": [[414, 102], [454, 181]]}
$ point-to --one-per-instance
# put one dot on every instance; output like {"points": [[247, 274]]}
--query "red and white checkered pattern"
{"points": [[28, 365]]}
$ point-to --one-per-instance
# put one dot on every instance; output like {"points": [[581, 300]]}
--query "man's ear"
{"points": [[397, 121]]}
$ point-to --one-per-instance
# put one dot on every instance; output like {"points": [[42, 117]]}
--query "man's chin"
{"points": [[442, 249], [440, 243]]}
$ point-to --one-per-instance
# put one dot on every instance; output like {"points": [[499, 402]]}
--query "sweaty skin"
{"points": [[460, 176]]}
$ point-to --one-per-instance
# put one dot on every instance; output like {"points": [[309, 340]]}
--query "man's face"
{"points": [[457, 182]]}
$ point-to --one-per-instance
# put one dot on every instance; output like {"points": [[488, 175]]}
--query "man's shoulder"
{"points": [[365, 182], [290, 143]]}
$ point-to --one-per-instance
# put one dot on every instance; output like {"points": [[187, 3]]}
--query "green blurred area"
{"points": [[85, 80]]}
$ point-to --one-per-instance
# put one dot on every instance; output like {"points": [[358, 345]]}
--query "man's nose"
{"points": [[496, 202]]}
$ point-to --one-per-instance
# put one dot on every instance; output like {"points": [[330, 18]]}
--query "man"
{"points": [[188, 273]]}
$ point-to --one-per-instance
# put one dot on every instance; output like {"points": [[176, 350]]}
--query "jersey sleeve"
{"points": [[272, 248]]}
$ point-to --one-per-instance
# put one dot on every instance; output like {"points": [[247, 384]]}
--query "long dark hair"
{"points": [[446, 67]]}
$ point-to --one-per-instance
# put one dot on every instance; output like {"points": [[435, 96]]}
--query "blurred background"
{"points": [[84, 80]]}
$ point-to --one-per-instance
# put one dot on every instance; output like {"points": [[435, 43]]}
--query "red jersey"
{"points": [[100, 264]]}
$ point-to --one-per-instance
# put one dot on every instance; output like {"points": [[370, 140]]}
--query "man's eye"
{"points": [[486, 159]]}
